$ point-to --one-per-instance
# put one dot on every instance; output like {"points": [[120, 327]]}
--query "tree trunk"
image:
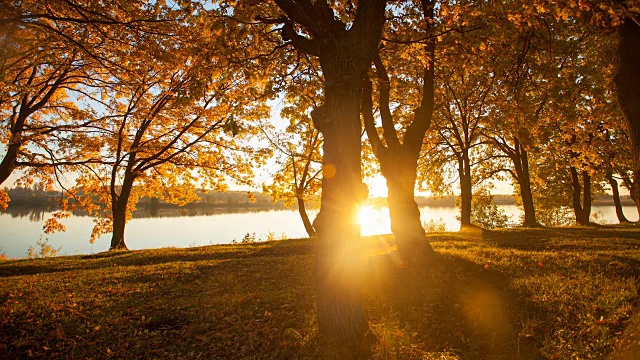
{"points": [[616, 197], [586, 197], [400, 172], [305, 218], [345, 54], [576, 197], [119, 213], [627, 81], [634, 190], [526, 194], [9, 161], [338, 257], [466, 190]]}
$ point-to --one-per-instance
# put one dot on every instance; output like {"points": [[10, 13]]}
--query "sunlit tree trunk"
{"points": [[338, 258], [345, 55], [616, 197]]}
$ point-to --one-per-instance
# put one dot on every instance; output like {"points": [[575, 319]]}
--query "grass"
{"points": [[506, 294]]}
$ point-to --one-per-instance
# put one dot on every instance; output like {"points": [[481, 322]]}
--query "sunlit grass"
{"points": [[561, 294]]}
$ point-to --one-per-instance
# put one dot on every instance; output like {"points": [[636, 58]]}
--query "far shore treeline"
{"points": [[36, 197]]}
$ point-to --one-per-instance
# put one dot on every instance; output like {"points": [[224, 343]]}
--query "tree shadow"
{"points": [[451, 306]]}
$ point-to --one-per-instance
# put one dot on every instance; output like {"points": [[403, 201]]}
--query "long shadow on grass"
{"points": [[454, 306]]}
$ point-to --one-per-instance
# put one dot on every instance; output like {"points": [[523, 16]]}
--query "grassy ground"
{"points": [[556, 294]]}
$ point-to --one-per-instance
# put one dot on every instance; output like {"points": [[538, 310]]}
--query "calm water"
{"points": [[20, 231]]}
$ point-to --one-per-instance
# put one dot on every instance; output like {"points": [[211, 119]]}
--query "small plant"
{"points": [[434, 225], [3, 255], [249, 238], [271, 236], [42, 250]]}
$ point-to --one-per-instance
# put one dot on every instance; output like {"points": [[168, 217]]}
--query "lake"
{"points": [[186, 228]]}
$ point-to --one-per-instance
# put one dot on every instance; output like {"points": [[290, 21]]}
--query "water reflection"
{"points": [[159, 226], [33, 213], [150, 211], [38, 213]]}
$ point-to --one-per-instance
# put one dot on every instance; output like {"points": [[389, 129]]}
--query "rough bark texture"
{"points": [[305, 218], [627, 80], [616, 197], [338, 261]]}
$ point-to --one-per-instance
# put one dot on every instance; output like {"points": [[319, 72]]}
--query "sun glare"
{"points": [[374, 220], [377, 186]]}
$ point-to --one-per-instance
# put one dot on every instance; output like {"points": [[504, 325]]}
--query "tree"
{"points": [[166, 123], [398, 156], [53, 52], [627, 81], [297, 176], [464, 103], [345, 40]]}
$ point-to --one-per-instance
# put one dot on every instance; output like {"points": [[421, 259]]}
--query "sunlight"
{"points": [[377, 186], [374, 220]]}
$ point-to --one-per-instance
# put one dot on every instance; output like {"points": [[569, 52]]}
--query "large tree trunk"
{"points": [[466, 190], [119, 213], [338, 257], [305, 218], [400, 173], [616, 197], [345, 56], [524, 177], [627, 80]]}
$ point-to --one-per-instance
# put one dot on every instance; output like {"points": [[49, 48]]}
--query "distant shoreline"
{"points": [[239, 201]]}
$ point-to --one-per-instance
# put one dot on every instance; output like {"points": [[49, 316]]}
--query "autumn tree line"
{"points": [[115, 100]]}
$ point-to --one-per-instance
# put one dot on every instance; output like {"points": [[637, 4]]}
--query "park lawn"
{"points": [[505, 294]]}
